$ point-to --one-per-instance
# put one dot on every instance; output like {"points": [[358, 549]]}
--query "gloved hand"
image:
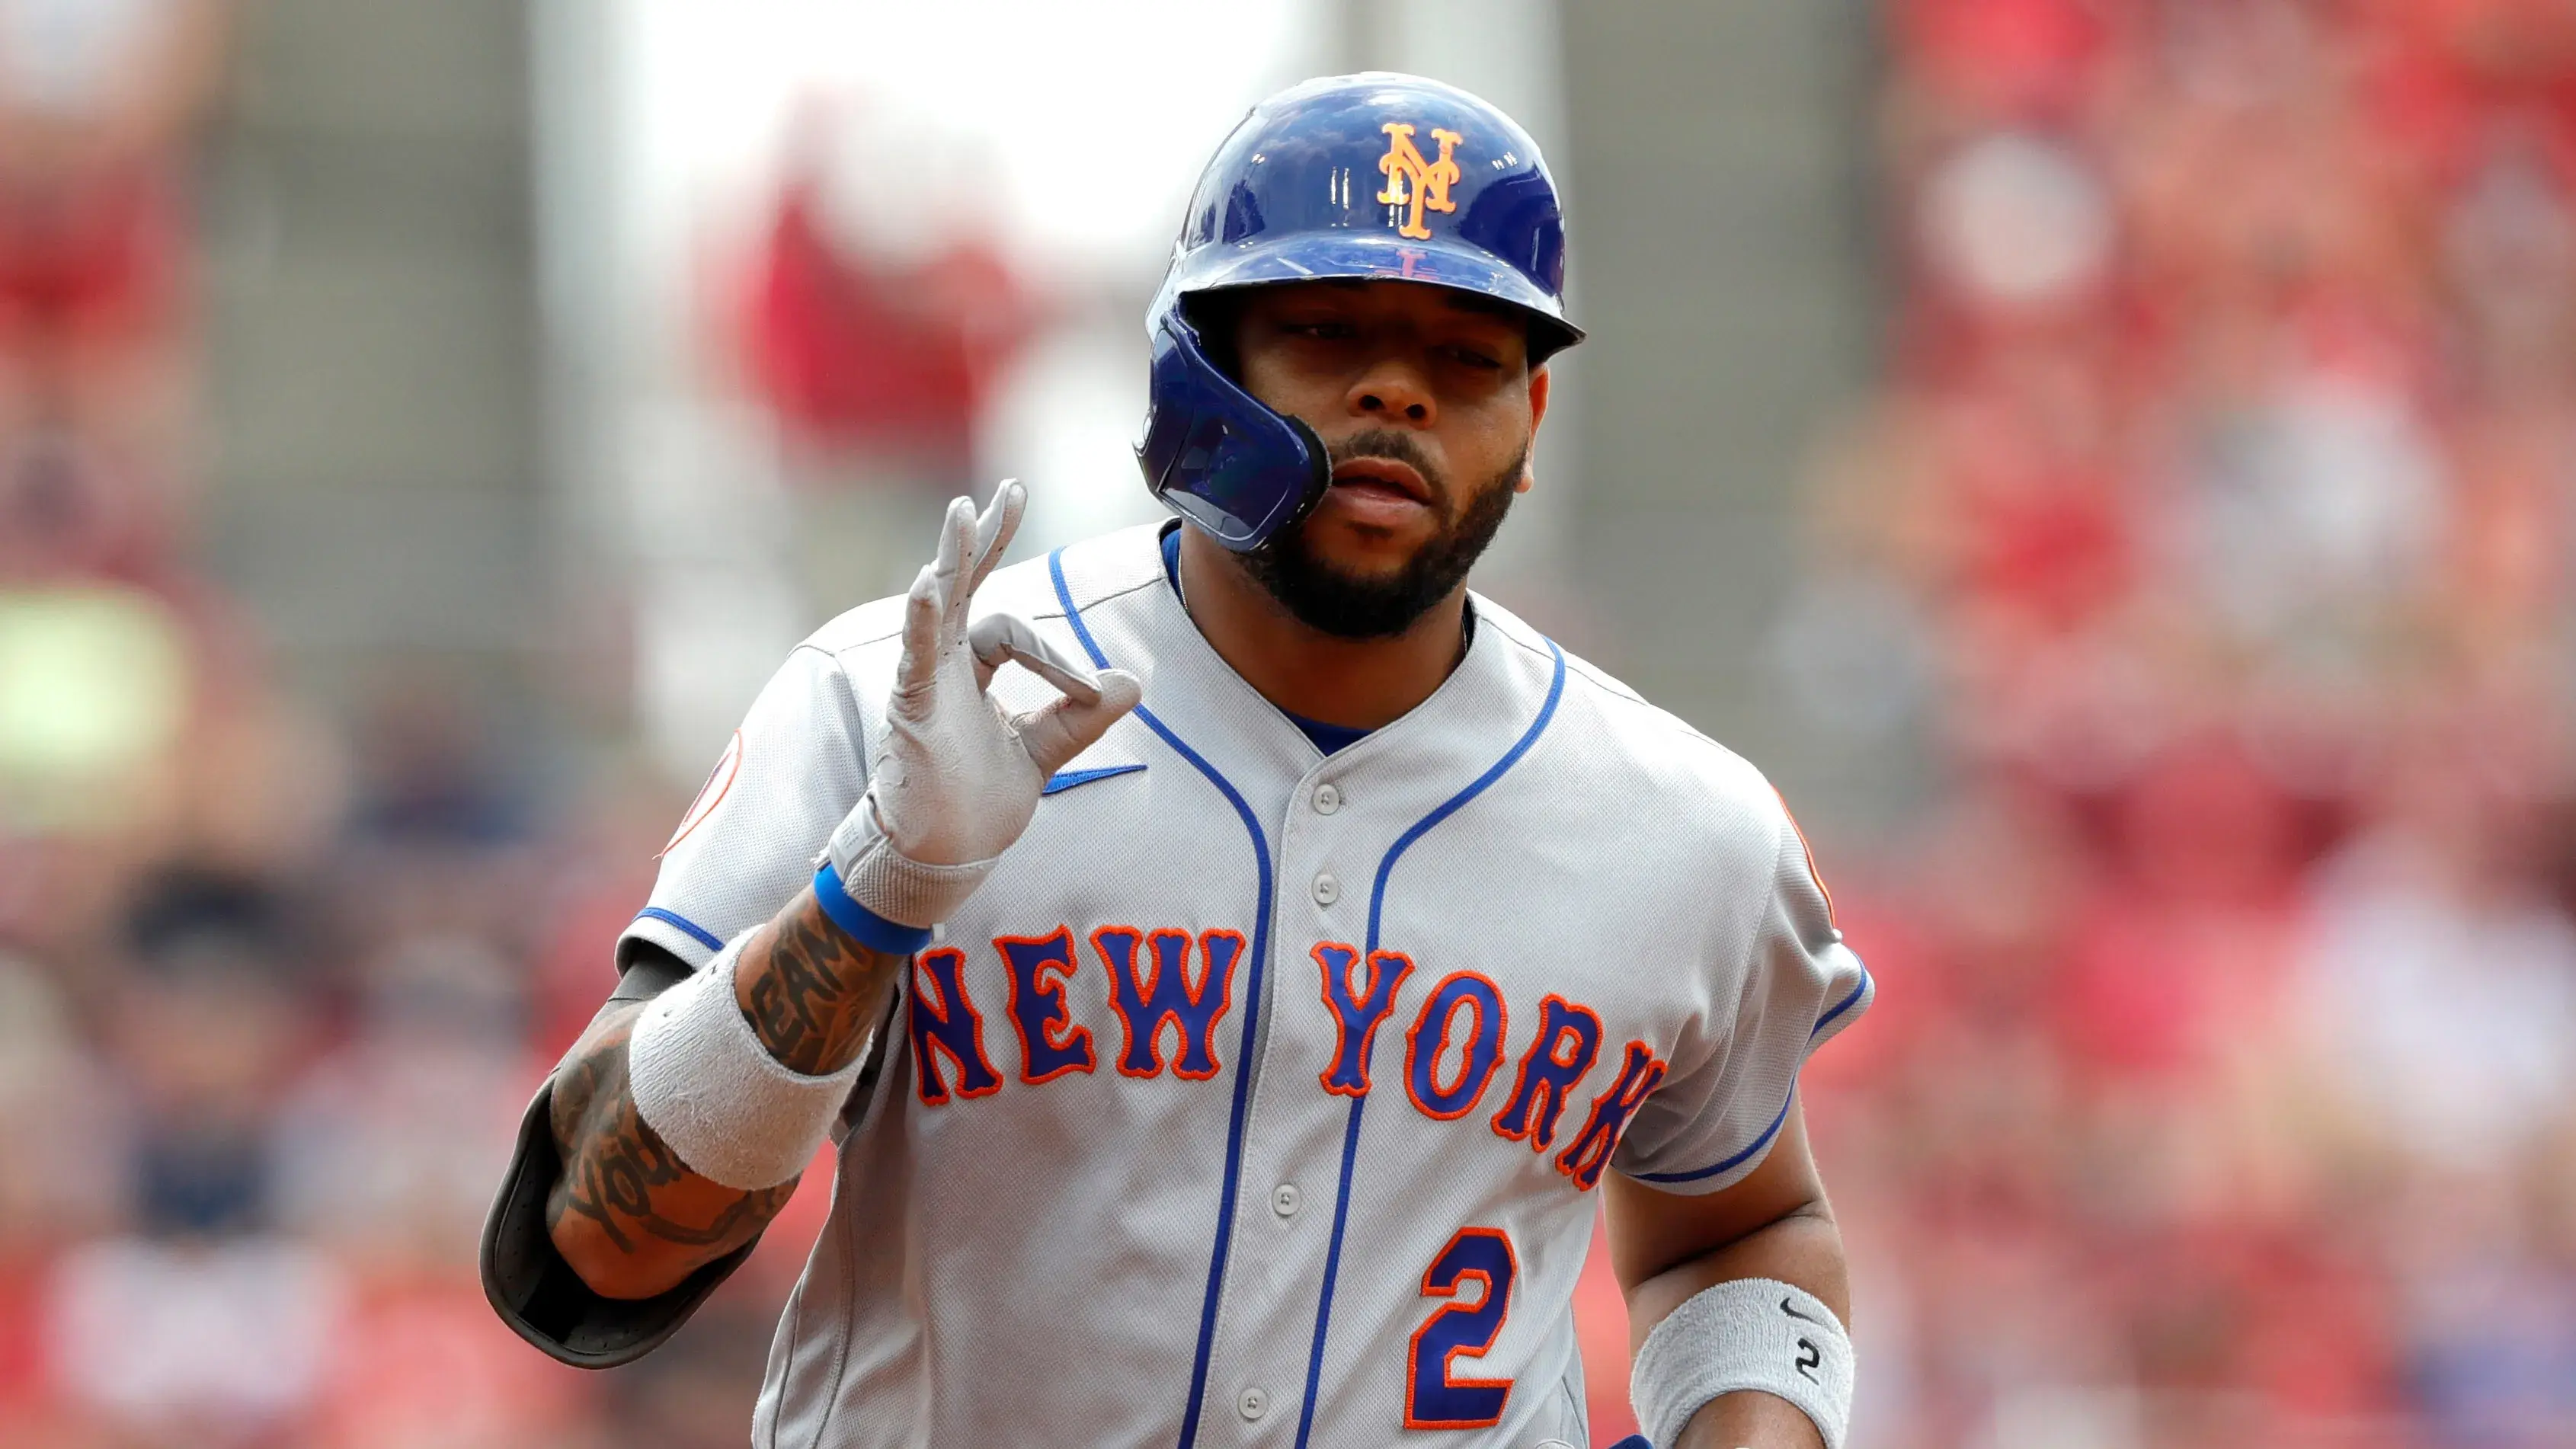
{"points": [[958, 778]]}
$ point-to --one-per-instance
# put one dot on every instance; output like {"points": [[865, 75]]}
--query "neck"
{"points": [[1357, 683]]}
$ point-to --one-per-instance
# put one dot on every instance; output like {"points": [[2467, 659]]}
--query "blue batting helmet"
{"points": [[1375, 176]]}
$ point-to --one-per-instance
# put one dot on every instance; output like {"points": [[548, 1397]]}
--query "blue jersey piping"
{"points": [[1351, 1126], [1846, 1004], [697, 933], [1251, 1011]]}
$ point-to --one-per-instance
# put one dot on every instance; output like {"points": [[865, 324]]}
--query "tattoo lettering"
{"points": [[813, 991], [811, 995], [618, 1174]]}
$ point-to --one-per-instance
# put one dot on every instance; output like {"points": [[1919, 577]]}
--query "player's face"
{"points": [[1426, 403]]}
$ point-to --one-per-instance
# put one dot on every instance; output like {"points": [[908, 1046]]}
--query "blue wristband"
{"points": [[863, 925]]}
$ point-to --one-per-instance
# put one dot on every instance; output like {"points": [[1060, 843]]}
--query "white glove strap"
{"points": [[892, 886], [1748, 1333], [707, 1087]]}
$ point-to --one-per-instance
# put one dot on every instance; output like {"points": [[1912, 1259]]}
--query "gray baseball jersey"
{"points": [[1259, 1095]]}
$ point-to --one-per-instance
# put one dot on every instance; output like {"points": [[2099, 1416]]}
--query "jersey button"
{"points": [[1283, 1199], [1327, 889], [1327, 799], [1252, 1403]]}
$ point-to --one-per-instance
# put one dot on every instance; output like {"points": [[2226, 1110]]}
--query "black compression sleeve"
{"points": [[527, 1281]]}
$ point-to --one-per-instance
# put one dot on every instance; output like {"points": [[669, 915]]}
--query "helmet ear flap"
{"points": [[1319, 478], [1217, 454]]}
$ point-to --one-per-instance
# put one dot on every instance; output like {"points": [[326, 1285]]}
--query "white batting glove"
{"points": [[958, 778]]}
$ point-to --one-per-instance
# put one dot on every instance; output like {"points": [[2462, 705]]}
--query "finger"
{"points": [[993, 531], [956, 546], [1052, 668], [998, 639], [1066, 727], [992, 638], [952, 547], [920, 633]]}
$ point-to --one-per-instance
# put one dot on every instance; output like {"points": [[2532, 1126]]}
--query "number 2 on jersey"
{"points": [[1434, 1397]]}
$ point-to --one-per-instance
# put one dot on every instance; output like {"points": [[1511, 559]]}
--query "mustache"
{"points": [[1394, 446]]}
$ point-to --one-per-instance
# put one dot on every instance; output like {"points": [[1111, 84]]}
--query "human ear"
{"points": [[1538, 385]]}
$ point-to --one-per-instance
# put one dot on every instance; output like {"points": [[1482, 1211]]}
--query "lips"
{"points": [[1385, 473]]}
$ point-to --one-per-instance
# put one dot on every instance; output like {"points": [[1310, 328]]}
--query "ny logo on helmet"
{"points": [[1413, 182]]}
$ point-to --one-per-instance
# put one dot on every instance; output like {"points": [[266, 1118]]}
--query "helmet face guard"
{"points": [[1372, 177]]}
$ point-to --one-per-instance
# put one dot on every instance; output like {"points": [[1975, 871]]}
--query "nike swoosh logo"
{"points": [[1787, 1308], [1059, 783]]}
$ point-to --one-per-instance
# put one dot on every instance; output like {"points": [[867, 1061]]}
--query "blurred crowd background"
{"points": [[2112, 461]]}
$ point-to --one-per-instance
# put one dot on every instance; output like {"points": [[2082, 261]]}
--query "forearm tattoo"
{"points": [[811, 995], [619, 1175], [812, 992]]}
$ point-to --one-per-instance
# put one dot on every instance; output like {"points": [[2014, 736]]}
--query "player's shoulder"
{"points": [[1082, 576], [852, 631], [1633, 751]]}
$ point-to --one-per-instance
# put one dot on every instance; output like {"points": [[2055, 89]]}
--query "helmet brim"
{"points": [[1377, 257]]}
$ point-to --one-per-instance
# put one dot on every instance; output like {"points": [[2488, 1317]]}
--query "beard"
{"points": [[1348, 606]]}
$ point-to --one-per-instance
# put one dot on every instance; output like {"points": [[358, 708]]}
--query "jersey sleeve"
{"points": [[749, 841], [1723, 1099]]}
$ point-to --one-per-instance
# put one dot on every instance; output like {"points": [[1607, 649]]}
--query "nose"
{"points": [[1392, 392]]}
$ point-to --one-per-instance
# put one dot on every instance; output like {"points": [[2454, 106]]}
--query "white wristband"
{"points": [[1748, 1333], [707, 1087]]}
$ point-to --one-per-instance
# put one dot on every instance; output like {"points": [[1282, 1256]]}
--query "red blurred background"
{"points": [[2206, 525]]}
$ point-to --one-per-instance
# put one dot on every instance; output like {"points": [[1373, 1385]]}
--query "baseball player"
{"points": [[1233, 960]]}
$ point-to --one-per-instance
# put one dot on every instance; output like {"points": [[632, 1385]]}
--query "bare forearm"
{"points": [[1805, 1249], [810, 992], [629, 1217], [1751, 1420]]}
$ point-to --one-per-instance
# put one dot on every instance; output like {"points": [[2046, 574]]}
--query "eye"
{"points": [[1324, 330], [1475, 357]]}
